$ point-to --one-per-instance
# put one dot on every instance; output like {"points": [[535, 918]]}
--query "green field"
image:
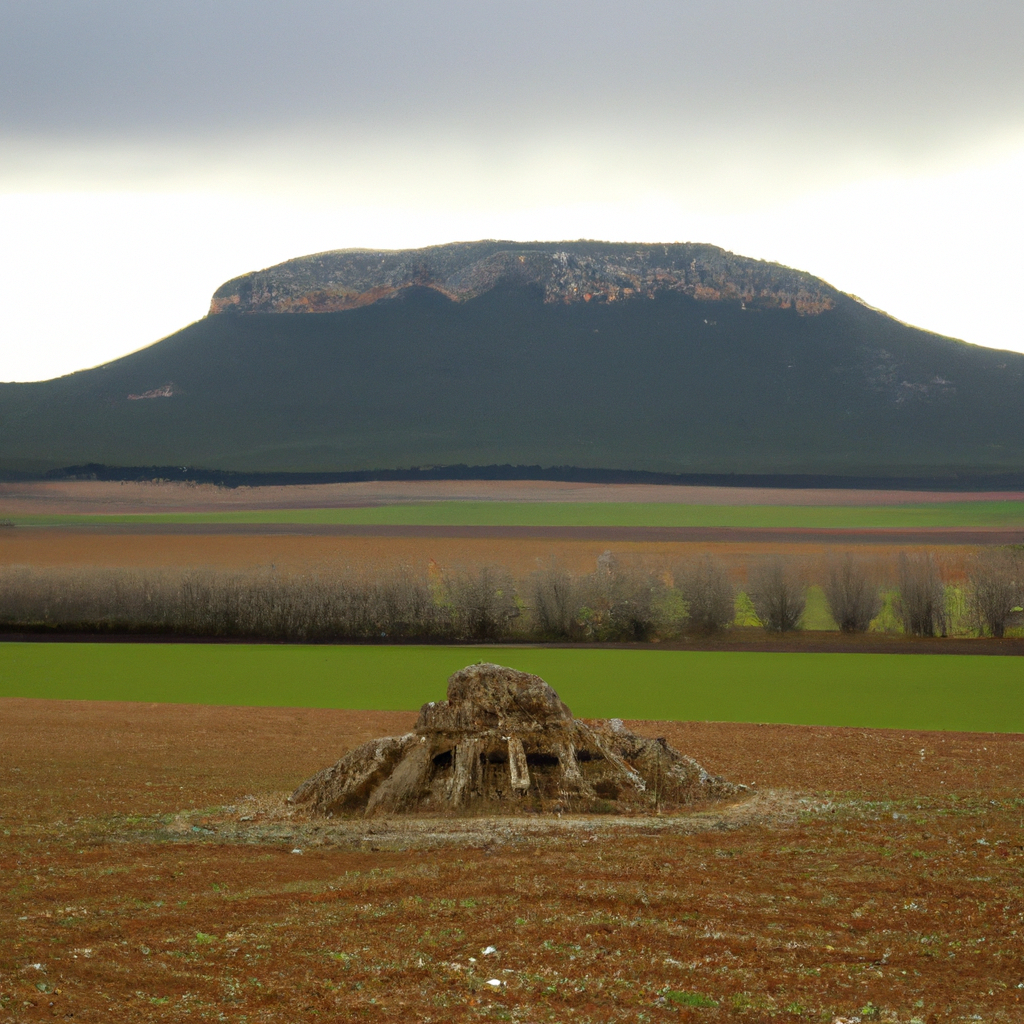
{"points": [[953, 692], [510, 513]]}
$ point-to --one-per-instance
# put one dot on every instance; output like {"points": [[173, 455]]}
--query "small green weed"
{"points": [[689, 999]]}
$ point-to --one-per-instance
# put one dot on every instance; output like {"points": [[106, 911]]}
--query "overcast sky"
{"points": [[150, 151]]}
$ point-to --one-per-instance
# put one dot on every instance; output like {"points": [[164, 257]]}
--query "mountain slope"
{"points": [[663, 358]]}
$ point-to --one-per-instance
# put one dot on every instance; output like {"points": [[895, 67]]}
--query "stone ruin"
{"points": [[504, 743]]}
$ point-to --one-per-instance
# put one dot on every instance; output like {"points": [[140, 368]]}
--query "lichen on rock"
{"points": [[504, 741]]}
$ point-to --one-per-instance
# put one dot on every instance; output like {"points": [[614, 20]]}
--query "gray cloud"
{"points": [[874, 74]]}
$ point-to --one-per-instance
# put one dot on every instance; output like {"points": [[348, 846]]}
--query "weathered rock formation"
{"points": [[503, 741], [565, 272]]}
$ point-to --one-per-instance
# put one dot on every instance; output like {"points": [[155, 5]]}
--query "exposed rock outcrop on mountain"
{"points": [[565, 271], [503, 741]]}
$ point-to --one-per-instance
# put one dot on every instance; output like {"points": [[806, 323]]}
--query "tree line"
{"points": [[618, 601]]}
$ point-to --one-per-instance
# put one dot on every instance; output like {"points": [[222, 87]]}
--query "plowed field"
{"points": [[304, 553], [148, 872], [310, 546]]}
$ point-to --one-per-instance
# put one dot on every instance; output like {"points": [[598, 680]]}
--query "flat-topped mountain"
{"points": [[678, 359], [565, 272]]}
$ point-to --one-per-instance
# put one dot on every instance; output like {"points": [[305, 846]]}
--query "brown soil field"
{"points": [[920, 537], [97, 497], [148, 872], [306, 552]]}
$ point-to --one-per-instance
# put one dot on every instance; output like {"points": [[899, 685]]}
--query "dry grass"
{"points": [[883, 882]]}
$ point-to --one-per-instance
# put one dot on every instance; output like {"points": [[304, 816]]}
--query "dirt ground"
{"points": [[323, 551], [150, 871], [98, 497]]}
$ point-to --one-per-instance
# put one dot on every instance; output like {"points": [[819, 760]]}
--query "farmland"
{"points": [[147, 870], [582, 514], [300, 553], [952, 692], [117, 570], [77, 497], [150, 874]]}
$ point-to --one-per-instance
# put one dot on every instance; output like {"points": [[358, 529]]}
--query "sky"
{"points": [[149, 152]]}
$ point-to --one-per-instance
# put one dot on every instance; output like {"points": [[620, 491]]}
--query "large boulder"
{"points": [[504, 742]]}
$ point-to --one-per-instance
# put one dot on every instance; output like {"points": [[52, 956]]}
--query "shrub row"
{"points": [[618, 601]]}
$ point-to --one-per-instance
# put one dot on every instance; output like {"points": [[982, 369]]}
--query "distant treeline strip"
{"points": [[966, 480], [618, 601]]}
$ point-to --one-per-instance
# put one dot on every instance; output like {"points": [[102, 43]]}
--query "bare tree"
{"points": [[996, 588], [777, 594], [632, 591], [620, 600], [557, 599], [921, 601], [709, 594], [482, 602], [852, 595]]}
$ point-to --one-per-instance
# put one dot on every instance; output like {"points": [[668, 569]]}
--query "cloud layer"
{"points": [[895, 77]]}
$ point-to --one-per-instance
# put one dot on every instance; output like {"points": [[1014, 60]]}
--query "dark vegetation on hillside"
{"points": [[619, 601], [669, 385]]}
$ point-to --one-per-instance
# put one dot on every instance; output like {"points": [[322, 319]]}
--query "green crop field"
{"points": [[953, 692], [509, 513]]}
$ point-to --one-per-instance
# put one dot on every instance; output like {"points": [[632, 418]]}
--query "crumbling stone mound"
{"points": [[503, 741]]}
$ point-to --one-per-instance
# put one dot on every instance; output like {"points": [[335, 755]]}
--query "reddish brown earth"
{"points": [[146, 874], [322, 551]]}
